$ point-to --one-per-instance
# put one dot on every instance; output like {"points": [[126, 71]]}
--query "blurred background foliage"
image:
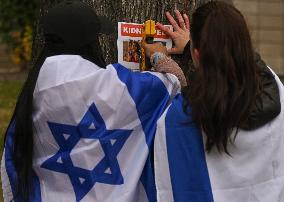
{"points": [[17, 20]]}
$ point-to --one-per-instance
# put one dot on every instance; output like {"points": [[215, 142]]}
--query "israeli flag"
{"points": [[184, 172], [93, 128]]}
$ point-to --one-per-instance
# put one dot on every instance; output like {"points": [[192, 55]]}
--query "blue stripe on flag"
{"points": [[148, 180], [151, 97], [187, 162], [11, 171], [149, 94]]}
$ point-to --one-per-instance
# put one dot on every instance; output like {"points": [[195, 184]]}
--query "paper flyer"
{"points": [[128, 43]]}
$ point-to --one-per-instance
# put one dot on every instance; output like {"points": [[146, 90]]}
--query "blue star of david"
{"points": [[92, 126]]}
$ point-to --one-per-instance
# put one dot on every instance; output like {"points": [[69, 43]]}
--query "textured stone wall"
{"points": [[266, 22]]}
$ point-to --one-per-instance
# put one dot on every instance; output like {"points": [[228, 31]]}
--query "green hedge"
{"points": [[17, 19]]}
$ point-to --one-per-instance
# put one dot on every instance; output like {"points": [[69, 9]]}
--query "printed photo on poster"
{"points": [[131, 51], [129, 43]]}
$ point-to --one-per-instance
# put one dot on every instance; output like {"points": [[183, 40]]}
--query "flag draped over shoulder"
{"points": [[254, 171], [92, 131], [180, 166]]}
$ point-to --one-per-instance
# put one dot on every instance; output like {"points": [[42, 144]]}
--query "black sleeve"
{"points": [[268, 104]]}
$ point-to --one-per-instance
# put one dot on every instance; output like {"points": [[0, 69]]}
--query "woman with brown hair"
{"points": [[222, 136]]}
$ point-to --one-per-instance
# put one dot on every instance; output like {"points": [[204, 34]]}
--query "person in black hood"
{"points": [[59, 40], [235, 99]]}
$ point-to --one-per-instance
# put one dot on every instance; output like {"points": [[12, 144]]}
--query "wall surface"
{"points": [[266, 22]]}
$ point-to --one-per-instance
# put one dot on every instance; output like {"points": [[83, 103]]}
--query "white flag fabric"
{"points": [[92, 131], [185, 172]]}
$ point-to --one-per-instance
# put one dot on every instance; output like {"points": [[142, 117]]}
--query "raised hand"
{"points": [[180, 35]]}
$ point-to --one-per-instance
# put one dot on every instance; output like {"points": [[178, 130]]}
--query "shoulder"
{"points": [[156, 81], [178, 113]]}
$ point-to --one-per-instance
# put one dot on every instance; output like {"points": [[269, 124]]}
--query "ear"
{"points": [[196, 54]]}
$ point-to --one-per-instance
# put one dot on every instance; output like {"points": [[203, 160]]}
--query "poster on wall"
{"points": [[129, 40]]}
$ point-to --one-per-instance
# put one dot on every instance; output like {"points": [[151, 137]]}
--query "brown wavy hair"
{"points": [[223, 88]]}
